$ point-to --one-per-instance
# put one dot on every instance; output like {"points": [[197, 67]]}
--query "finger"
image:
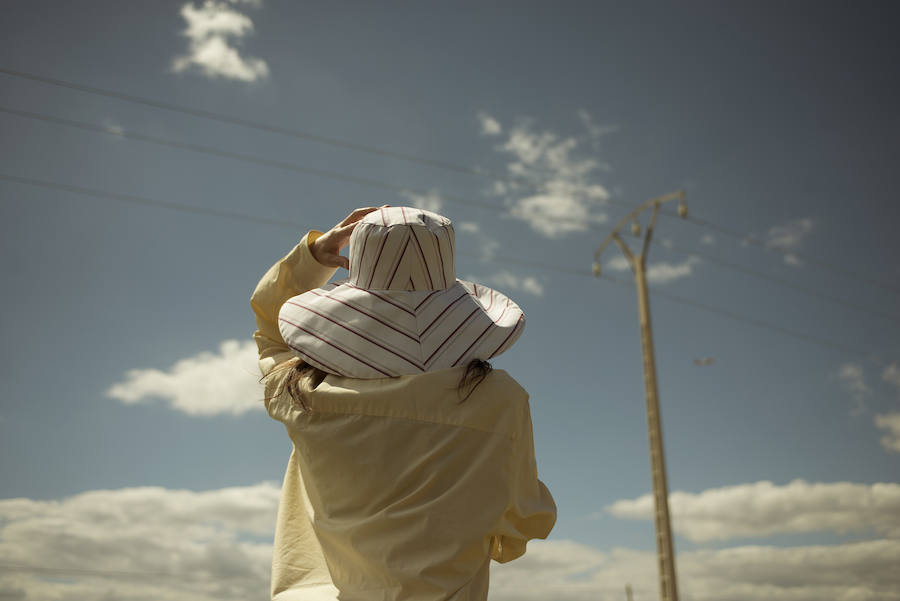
{"points": [[357, 215], [344, 261], [342, 234], [333, 261]]}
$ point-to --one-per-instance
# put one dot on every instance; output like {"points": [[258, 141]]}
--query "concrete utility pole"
{"points": [[664, 552]]}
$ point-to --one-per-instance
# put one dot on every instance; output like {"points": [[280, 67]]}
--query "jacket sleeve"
{"points": [[531, 510], [296, 273]]}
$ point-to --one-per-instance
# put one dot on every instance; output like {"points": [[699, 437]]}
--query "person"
{"points": [[413, 459]]}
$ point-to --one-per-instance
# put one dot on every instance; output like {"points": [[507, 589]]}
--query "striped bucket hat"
{"points": [[402, 311]]}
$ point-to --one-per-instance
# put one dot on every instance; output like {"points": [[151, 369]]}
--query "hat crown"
{"points": [[402, 248]]}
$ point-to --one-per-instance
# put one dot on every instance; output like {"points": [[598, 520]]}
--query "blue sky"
{"points": [[779, 122]]}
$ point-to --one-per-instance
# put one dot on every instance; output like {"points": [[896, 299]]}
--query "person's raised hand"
{"points": [[327, 248]]}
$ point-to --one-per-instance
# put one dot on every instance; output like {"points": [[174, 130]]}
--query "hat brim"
{"points": [[358, 333]]}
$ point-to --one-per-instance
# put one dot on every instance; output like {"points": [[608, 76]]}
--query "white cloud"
{"points": [[707, 239], [489, 248], [551, 185], [430, 201], [489, 125], [569, 571], [891, 423], [661, 272], [469, 227], [113, 127], [191, 546], [763, 508], [505, 281], [595, 131], [205, 384], [216, 546], [555, 216], [789, 237], [210, 30], [853, 380]]}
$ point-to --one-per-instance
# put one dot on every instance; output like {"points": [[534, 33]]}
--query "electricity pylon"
{"points": [[664, 552]]}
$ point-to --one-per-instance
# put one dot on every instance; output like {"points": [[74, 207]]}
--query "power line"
{"points": [[116, 132], [438, 163], [363, 181], [782, 282], [141, 200], [749, 239], [749, 320], [251, 124], [119, 133]]}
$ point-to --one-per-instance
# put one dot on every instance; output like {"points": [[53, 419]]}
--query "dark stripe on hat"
{"points": [[502, 313], [437, 246], [362, 254], [450, 240], [448, 337], [377, 258], [447, 308], [474, 342], [397, 265], [345, 351], [379, 297], [425, 300], [384, 346], [310, 358], [502, 344], [424, 260], [366, 313]]}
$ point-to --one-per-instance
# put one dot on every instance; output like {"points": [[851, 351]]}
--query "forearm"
{"points": [[296, 273]]}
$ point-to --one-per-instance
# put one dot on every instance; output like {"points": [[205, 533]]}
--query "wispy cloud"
{"points": [[506, 280], [113, 127], [430, 201], [707, 239], [788, 238], [891, 375], [551, 184], [594, 130], [489, 125], [853, 379], [212, 30], [208, 383], [661, 272], [468, 227], [762, 509], [889, 422]]}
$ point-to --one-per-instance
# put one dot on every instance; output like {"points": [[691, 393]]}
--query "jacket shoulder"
{"points": [[504, 378]]}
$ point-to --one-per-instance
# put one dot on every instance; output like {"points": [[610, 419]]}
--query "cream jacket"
{"points": [[395, 490]]}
